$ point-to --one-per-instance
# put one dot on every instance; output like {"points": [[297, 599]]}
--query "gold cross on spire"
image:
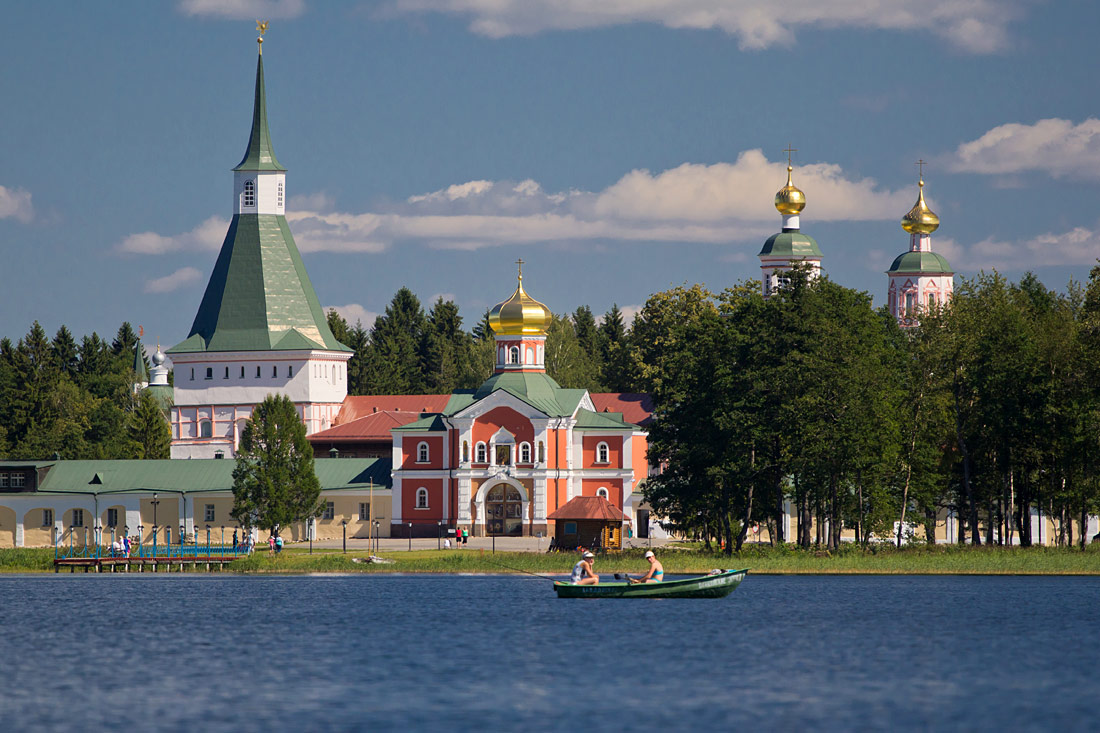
{"points": [[920, 166], [520, 263], [788, 151], [261, 26]]}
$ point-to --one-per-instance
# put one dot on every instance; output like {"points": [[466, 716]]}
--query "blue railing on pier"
{"points": [[83, 545]]}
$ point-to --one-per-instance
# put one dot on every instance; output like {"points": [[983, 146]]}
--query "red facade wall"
{"points": [[614, 489], [409, 445], [409, 512], [614, 451]]}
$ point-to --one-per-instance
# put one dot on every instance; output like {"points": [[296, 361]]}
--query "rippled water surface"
{"points": [[490, 653]]}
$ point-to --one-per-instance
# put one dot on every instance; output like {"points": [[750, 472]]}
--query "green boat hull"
{"points": [[718, 585]]}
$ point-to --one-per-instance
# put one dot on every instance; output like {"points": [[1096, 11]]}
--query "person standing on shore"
{"points": [[465, 536]]}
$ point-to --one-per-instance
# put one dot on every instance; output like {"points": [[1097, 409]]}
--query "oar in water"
{"points": [[624, 576], [518, 570]]}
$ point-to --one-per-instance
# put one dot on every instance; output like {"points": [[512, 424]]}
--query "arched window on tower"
{"points": [[481, 453], [422, 455], [421, 498], [910, 304], [280, 204], [513, 355], [524, 452], [249, 197], [603, 455]]}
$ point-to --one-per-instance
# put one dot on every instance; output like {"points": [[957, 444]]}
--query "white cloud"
{"points": [[243, 9], [16, 202], [1078, 246], [979, 26], [720, 203], [1053, 146], [319, 201], [175, 281], [353, 313], [206, 236]]}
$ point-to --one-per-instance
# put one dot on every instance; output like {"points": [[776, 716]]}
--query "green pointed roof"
{"points": [[260, 156], [259, 297], [922, 263], [139, 364], [790, 243]]}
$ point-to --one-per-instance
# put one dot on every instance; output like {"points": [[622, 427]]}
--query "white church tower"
{"points": [[260, 328], [789, 248], [919, 279]]}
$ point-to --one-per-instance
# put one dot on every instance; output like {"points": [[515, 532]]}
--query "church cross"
{"points": [[520, 263], [920, 165], [788, 151]]}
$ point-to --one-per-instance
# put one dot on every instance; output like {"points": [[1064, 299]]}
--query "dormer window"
{"points": [[249, 197]]}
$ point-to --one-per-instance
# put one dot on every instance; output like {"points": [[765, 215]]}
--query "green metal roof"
{"points": [[433, 423], [102, 477], [921, 262], [259, 297], [535, 388], [139, 364], [163, 394], [790, 243], [588, 420], [259, 156]]}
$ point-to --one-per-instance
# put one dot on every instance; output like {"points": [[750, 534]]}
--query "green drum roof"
{"points": [[259, 297], [790, 243], [921, 262]]}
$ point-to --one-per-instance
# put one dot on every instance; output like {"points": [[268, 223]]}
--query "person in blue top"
{"points": [[582, 571], [656, 570]]}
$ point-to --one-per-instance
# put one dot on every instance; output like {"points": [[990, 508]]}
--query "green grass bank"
{"points": [[883, 560]]}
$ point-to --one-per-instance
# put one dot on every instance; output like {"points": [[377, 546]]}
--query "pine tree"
{"points": [[148, 429], [65, 352], [393, 363], [274, 484]]}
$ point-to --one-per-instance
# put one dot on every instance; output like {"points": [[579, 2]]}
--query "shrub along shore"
{"points": [[764, 560]]}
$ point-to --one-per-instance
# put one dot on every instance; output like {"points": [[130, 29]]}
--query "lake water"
{"points": [[148, 652]]}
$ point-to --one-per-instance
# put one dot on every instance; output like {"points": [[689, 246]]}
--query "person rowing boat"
{"points": [[656, 570], [582, 571]]}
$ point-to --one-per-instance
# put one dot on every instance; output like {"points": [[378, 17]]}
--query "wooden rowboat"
{"points": [[715, 585]]}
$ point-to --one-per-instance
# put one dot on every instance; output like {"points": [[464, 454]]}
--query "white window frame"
{"points": [[18, 480], [78, 518], [524, 453], [280, 196], [513, 355], [421, 498], [330, 511], [481, 452], [602, 491], [3, 481], [423, 452], [248, 197], [364, 511], [603, 453]]}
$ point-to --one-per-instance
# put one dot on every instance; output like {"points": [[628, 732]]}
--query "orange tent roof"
{"points": [[588, 507], [637, 407], [357, 406], [374, 426]]}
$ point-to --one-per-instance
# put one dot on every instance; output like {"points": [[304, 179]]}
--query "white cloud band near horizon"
{"points": [[1053, 146], [178, 279], [1078, 246], [977, 26], [16, 204], [242, 9]]}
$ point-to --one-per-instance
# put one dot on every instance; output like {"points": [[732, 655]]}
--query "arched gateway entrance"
{"points": [[504, 510]]}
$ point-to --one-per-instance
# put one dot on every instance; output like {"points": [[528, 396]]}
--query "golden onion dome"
{"points": [[520, 315], [790, 200], [920, 219]]}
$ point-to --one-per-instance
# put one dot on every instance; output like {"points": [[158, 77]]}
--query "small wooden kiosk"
{"points": [[589, 521]]}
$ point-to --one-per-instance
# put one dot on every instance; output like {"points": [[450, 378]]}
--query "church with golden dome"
{"points": [[919, 279], [788, 248], [499, 460]]}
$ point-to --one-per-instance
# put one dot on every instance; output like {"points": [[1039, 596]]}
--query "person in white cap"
{"points": [[656, 570], [582, 571]]}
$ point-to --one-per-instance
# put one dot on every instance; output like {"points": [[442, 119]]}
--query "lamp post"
{"points": [[208, 540], [141, 540], [155, 502], [410, 536], [439, 536], [309, 531], [344, 523], [223, 539]]}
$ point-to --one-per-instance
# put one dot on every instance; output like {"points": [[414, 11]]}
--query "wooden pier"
{"points": [[139, 564]]}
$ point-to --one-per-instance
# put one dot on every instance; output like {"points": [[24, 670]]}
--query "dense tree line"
{"points": [[408, 351], [989, 408], [58, 397]]}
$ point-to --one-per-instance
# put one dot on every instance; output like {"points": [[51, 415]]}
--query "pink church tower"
{"points": [[919, 279]]}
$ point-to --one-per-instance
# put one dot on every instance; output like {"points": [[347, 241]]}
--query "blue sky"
{"points": [[619, 148]]}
